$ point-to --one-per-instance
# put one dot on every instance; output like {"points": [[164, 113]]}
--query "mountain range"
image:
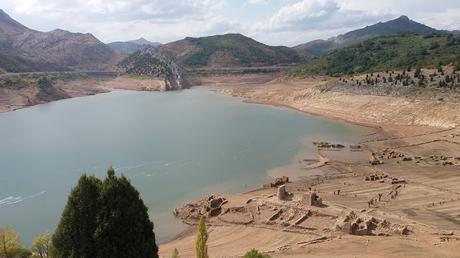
{"points": [[403, 24], [229, 50], [23, 49], [129, 47]]}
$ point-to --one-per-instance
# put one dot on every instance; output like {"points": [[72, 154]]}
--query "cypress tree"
{"points": [[201, 239], [74, 236], [124, 228], [105, 219]]}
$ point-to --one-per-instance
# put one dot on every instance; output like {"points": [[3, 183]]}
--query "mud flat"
{"points": [[399, 197]]}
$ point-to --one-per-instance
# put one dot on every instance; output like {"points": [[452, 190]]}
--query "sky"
{"points": [[273, 22]]}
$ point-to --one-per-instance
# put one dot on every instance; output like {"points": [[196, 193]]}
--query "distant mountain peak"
{"points": [[399, 25], [141, 41], [131, 46], [403, 18], [402, 24]]}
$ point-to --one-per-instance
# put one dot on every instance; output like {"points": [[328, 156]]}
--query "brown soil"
{"points": [[232, 79], [406, 205]]}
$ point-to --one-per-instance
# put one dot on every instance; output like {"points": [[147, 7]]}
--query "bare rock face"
{"points": [[149, 61]]}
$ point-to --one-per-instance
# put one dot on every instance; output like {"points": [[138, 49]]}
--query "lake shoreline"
{"points": [[12, 99], [403, 133]]}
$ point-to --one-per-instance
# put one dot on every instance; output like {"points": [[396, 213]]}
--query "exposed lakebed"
{"points": [[174, 146]]}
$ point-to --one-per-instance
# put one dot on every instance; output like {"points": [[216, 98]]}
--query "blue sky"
{"points": [[275, 22]]}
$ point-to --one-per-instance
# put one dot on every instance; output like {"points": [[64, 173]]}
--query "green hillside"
{"points": [[240, 50], [386, 53]]}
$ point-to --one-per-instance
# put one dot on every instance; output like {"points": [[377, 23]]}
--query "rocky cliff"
{"points": [[151, 62]]}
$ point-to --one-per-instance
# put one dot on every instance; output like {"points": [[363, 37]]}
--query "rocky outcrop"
{"points": [[47, 92], [150, 61]]}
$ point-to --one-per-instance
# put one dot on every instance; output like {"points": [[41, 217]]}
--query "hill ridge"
{"points": [[402, 24]]}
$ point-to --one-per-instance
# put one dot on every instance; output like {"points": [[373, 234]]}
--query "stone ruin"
{"points": [[354, 223], [382, 177], [312, 199], [356, 147], [208, 207], [282, 194], [375, 177], [277, 182], [327, 145]]}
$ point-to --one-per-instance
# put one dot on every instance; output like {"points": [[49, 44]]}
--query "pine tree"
{"points": [[74, 236], [202, 238], [124, 228]]}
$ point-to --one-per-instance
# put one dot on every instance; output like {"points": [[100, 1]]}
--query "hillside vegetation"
{"points": [[399, 51], [230, 50], [403, 24], [34, 80], [236, 49]]}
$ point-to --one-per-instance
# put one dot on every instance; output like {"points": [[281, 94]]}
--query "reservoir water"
{"points": [[173, 146]]}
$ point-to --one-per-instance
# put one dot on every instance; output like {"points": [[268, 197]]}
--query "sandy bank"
{"points": [[390, 113], [417, 146]]}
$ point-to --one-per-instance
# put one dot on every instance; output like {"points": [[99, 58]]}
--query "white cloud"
{"points": [[259, 1], [316, 14], [305, 20], [278, 22], [448, 19]]}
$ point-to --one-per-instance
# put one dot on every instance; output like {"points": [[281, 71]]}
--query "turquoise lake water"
{"points": [[174, 147]]}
